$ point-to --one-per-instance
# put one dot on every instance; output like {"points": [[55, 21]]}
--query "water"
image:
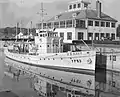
{"points": [[21, 88], [107, 83], [1, 68]]}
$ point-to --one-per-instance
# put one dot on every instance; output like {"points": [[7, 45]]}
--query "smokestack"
{"points": [[98, 8]]}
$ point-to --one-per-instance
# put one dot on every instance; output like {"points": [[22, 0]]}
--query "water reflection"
{"points": [[81, 84], [107, 82], [1, 67]]}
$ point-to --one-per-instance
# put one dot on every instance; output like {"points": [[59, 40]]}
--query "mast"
{"points": [[16, 30], [31, 27], [22, 1], [42, 14], [21, 26]]}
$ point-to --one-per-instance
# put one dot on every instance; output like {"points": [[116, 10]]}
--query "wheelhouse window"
{"points": [[107, 24], [44, 25], [113, 25], [62, 24], [62, 34], [96, 23], [90, 23], [102, 24], [69, 35], [74, 6], [70, 6], [85, 5], [78, 5]]}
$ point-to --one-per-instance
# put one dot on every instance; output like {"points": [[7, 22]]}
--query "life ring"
{"points": [[89, 61]]}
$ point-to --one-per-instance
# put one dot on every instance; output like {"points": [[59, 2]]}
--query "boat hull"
{"points": [[74, 60]]}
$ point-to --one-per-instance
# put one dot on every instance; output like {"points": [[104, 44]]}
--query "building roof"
{"points": [[82, 14]]}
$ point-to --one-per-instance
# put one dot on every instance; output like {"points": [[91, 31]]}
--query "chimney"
{"points": [[98, 8]]}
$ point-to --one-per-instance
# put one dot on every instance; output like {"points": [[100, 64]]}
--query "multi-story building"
{"points": [[82, 22]]}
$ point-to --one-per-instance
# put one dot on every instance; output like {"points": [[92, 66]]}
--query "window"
{"points": [[49, 25], [70, 6], [113, 36], [69, 95], [90, 36], [114, 57], [78, 5], [85, 5], [74, 6], [82, 23], [62, 24], [107, 35], [102, 24], [62, 34], [44, 25], [96, 23], [96, 36], [113, 25], [69, 35], [80, 35], [107, 24], [56, 24], [69, 23], [90, 23]]}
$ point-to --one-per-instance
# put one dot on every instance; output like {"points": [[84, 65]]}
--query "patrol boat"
{"points": [[47, 51], [48, 54]]}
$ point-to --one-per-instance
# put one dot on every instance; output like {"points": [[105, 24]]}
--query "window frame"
{"points": [[70, 6], [74, 6], [78, 5], [107, 24], [61, 34], [90, 22], [97, 25], [102, 24], [69, 38], [113, 26]]}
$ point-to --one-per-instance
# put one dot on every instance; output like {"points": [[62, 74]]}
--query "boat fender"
{"points": [[89, 61]]}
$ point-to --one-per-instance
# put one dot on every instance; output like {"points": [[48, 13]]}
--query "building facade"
{"points": [[81, 22]]}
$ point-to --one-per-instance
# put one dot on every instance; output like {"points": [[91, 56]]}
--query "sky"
{"points": [[26, 10]]}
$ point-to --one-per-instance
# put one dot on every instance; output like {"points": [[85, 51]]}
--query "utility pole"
{"points": [[42, 14]]}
